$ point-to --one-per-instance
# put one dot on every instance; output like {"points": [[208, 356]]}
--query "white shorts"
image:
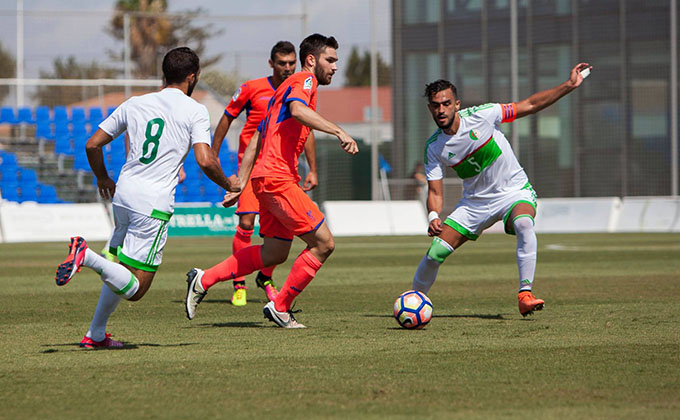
{"points": [[472, 216], [137, 239]]}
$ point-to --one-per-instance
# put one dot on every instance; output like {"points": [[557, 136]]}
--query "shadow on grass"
{"points": [[126, 346], [232, 325], [225, 301], [478, 316]]}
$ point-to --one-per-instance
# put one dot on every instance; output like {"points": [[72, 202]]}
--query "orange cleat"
{"points": [[528, 303]]}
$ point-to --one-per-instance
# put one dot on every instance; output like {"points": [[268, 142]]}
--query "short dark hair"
{"points": [[178, 64], [283, 48], [315, 44], [433, 88]]}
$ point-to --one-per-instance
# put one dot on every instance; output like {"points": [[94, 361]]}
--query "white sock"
{"points": [[108, 301], [526, 251], [114, 275], [426, 274]]}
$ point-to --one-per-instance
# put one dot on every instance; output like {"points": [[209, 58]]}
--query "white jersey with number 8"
{"points": [[162, 127]]}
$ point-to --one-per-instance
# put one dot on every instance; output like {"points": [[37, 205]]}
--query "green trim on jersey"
{"points": [[474, 163], [460, 229], [431, 140], [467, 112], [161, 215], [154, 247], [113, 251]]}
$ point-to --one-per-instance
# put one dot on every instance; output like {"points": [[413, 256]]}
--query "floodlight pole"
{"points": [[375, 189], [514, 70], [20, 52], [674, 98]]}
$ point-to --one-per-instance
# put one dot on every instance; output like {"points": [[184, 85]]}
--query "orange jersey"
{"points": [[253, 96], [283, 137]]}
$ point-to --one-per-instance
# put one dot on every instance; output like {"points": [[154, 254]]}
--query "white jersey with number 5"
{"points": [[479, 153], [162, 127]]}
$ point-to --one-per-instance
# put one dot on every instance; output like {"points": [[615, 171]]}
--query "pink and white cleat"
{"points": [[106, 343], [72, 263], [267, 284]]}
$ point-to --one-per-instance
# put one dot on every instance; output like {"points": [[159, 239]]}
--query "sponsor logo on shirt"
{"points": [[238, 92], [451, 155], [308, 83]]}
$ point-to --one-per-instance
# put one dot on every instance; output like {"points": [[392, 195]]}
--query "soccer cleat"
{"points": [[528, 303], [72, 263], [194, 297], [106, 343], [239, 297], [282, 319], [267, 284]]}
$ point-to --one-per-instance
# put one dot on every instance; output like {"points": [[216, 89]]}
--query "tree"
{"points": [[70, 69], [7, 69], [152, 36], [222, 83], [358, 70]]}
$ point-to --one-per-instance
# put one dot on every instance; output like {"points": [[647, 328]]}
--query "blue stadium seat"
{"points": [[60, 114], [48, 194], [7, 115], [7, 161], [9, 191], [63, 145], [25, 115], [78, 115], [80, 162], [95, 117], [9, 173], [79, 129], [43, 130], [28, 193], [27, 176], [42, 115], [61, 128], [110, 110]]}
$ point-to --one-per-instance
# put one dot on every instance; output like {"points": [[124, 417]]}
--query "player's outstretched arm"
{"points": [[244, 169], [311, 179], [95, 157], [212, 168], [540, 100], [305, 115], [220, 132], [435, 203]]}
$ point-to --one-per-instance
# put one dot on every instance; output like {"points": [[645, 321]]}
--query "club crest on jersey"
{"points": [[238, 92], [308, 83], [474, 134]]}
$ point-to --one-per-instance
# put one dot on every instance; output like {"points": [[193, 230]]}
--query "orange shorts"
{"points": [[247, 202], [285, 210]]}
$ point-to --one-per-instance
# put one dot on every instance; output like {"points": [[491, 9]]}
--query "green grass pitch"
{"points": [[607, 345]]}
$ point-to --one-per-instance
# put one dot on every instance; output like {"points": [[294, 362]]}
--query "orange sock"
{"points": [[241, 240], [240, 264], [303, 271]]}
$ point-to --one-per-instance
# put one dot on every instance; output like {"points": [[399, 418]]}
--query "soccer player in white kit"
{"points": [[495, 187], [162, 127]]}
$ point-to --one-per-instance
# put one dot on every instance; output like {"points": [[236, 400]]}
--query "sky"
{"points": [[62, 28]]}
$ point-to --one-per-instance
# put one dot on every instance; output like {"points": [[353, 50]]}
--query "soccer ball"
{"points": [[413, 309]]}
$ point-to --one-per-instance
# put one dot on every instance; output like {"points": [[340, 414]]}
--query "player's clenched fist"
{"points": [[348, 144]]}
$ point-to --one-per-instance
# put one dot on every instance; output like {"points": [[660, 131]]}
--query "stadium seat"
{"points": [[43, 130], [42, 115], [60, 114], [7, 115], [80, 162], [25, 116], [77, 114], [110, 110], [95, 116], [9, 191], [9, 173], [79, 129], [27, 176], [48, 194], [7, 161], [62, 145], [61, 128], [27, 193]]}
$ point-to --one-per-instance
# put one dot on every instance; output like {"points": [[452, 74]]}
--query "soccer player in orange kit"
{"points": [[285, 210]]}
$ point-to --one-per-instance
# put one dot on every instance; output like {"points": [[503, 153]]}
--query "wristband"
{"points": [[431, 216]]}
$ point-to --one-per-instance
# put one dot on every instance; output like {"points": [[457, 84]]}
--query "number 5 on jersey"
{"points": [[150, 146]]}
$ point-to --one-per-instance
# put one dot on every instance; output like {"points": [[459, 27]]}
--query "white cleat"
{"points": [[194, 296], [282, 319]]}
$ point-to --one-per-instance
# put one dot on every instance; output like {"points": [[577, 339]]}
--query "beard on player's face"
{"points": [[190, 88], [323, 76]]}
